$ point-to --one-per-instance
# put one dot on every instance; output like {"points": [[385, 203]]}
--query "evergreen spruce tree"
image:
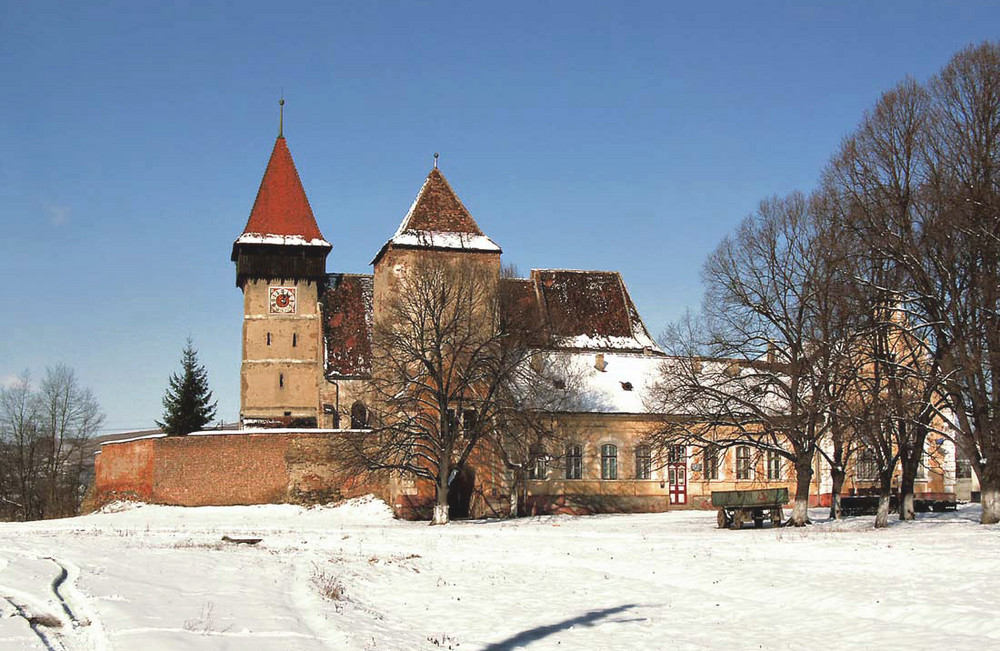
{"points": [[188, 402]]}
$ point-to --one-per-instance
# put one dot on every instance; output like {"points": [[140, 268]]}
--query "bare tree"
{"points": [[957, 270], [920, 180], [44, 435], [69, 417], [452, 378], [773, 346], [22, 450]]}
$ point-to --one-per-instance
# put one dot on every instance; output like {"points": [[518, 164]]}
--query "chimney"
{"points": [[599, 362]]}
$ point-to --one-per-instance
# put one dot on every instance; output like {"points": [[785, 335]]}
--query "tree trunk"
{"points": [[990, 491], [882, 516], [884, 498], [441, 504], [907, 481], [803, 482], [838, 477]]}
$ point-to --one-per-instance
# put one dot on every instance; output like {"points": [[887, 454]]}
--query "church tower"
{"points": [[280, 264], [437, 227]]}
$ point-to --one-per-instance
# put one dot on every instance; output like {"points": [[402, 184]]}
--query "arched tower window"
{"points": [[359, 415]]}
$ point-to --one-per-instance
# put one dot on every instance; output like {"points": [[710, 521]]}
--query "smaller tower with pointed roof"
{"points": [[280, 265], [437, 226]]}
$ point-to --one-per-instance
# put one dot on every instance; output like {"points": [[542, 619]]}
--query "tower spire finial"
{"points": [[281, 115], [436, 160]]}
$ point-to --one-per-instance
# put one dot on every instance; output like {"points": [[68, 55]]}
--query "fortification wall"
{"points": [[228, 469]]}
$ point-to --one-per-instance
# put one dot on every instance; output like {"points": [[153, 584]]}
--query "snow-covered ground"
{"points": [[152, 577]]}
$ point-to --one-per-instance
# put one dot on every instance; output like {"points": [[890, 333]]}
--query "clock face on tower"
{"points": [[281, 300]]}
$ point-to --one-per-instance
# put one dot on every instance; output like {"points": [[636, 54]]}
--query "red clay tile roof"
{"points": [[438, 209], [591, 310], [347, 325], [281, 207]]}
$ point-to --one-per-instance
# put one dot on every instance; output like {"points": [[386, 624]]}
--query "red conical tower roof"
{"points": [[281, 212]]}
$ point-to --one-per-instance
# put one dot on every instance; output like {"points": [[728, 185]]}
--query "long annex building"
{"points": [[307, 358]]}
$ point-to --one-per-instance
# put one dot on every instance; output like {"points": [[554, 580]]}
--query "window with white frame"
{"points": [[538, 467], [710, 462], [609, 461], [643, 462], [774, 464], [574, 462], [743, 462]]}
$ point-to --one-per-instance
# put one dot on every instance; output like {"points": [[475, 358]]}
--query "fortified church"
{"points": [[307, 359], [307, 337]]}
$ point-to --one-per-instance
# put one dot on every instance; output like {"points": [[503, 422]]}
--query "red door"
{"points": [[677, 481]]}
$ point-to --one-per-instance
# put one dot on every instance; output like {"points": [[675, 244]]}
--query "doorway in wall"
{"points": [[677, 483], [460, 493]]}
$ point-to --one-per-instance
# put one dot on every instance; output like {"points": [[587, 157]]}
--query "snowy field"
{"points": [[150, 577]]}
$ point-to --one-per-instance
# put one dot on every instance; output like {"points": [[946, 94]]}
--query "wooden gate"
{"points": [[677, 482]]}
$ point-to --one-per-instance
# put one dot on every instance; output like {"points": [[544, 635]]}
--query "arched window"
{"points": [[359, 415], [743, 462], [574, 462], [643, 462], [539, 464], [609, 461]]}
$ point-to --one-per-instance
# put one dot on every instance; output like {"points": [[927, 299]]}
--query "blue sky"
{"points": [[599, 135]]}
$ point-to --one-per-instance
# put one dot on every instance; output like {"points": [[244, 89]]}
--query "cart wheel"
{"points": [[737, 519], [775, 517], [723, 520]]}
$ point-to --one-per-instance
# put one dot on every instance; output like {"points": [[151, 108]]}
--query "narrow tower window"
{"points": [[295, 340], [281, 380], [269, 339]]}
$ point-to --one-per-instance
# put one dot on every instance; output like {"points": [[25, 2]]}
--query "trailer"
{"points": [[737, 507]]}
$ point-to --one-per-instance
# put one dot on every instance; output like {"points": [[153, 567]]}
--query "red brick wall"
{"points": [[226, 469], [125, 470]]}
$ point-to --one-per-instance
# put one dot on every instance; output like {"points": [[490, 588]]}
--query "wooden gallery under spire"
{"points": [[307, 369]]}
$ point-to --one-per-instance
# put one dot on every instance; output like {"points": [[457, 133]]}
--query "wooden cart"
{"points": [[737, 507]]}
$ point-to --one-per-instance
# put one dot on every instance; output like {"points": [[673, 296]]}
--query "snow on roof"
{"points": [[290, 240], [437, 219], [623, 387], [445, 240], [281, 207]]}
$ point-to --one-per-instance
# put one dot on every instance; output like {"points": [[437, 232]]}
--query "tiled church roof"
{"points": [[438, 219], [585, 310], [591, 310], [438, 208], [281, 212], [347, 325]]}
